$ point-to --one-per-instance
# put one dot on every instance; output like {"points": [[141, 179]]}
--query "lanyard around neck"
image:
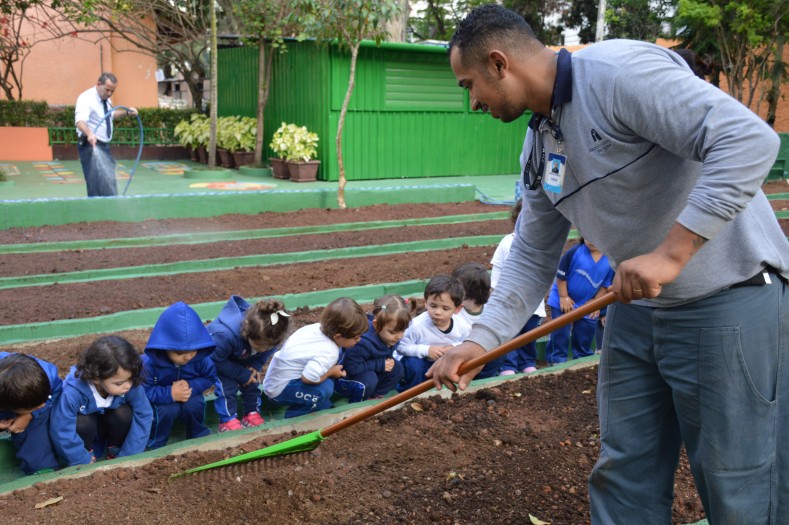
{"points": [[556, 133]]}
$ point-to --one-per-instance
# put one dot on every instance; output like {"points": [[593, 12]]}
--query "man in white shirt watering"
{"points": [[94, 129]]}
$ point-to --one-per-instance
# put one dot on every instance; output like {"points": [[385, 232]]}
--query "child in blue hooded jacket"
{"points": [[178, 370], [28, 387], [245, 336], [370, 363], [103, 406]]}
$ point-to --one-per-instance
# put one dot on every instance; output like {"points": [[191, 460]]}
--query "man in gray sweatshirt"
{"points": [[662, 171]]}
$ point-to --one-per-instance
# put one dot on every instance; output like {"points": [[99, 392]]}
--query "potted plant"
{"points": [[280, 145], [201, 128], [226, 141], [184, 131], [302, 146], [246, 130]]}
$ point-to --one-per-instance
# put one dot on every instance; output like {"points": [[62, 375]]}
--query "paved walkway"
{"points": [[63, 179]]}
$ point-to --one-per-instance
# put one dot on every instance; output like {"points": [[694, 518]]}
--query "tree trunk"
{"points": [[262, 95], [776, 79], [341, 123], [264, 88], [212, 135]]}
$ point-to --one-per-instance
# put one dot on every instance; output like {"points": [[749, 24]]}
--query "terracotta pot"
{"points": [[242, 158], [301, 171], [279, 169], [225, 158]]}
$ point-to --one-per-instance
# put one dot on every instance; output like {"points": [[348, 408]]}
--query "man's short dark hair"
{"points": [[24, 384], [488, 25], [448, 285], [104, 77]]}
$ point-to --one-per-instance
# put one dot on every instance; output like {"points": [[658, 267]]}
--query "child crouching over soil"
{"points": [[103, 406], [28, 388], [370, 367], [301, 375], [178, 371], [245, 338]]}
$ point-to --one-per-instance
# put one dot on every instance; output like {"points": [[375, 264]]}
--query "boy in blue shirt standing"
{"points": [[178, 370]]}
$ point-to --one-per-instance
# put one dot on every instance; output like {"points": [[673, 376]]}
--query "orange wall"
{"points": [[59, 70]]}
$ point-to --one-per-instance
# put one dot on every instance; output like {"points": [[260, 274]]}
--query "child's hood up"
{"points": [[179, 328]]}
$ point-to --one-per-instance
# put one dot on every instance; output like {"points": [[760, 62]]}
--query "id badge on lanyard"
{"points": [[553, 179]]}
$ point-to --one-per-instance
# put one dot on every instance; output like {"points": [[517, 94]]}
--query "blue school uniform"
{"points": [[232, 358], [34, 448], [365, 367], [77, 399], [584, 279], [178, 328]]}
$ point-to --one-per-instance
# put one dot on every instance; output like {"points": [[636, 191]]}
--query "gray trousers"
{"points": [[712, 375]]}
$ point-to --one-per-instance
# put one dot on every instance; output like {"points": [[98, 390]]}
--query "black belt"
{"points": [[760, 279]]}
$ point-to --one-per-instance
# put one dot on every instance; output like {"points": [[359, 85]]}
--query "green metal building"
{"points": [[407, 116]]}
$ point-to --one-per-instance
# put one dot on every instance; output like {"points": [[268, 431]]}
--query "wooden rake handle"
{"points": [[528, 337]]}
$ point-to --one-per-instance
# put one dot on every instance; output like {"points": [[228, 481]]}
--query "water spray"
{"points": [[142, 140]]}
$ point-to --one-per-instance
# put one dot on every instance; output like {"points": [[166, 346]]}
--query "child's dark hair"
{"points": [[448, 285], [24, 385], [391, 308], [259, 322], [516, 211], [343, 316], [105, 356], [475, 280]]}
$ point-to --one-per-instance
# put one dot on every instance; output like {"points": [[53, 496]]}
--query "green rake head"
{"points": [[298, 444]]}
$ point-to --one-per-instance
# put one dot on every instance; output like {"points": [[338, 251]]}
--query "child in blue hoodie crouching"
{"points": [[28, 388], [245, 336], [178, 370], [103, 406]]}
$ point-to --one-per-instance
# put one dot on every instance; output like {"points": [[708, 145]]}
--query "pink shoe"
{"points": [[529, 370], [253, 419], [507, 373], [233, 424]]}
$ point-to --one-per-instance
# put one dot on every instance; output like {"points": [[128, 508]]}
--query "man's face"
{"points": [[106, 90], [486, 89]]}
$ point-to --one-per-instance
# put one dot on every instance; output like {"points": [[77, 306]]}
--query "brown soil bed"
{"points": [[495, 456]]}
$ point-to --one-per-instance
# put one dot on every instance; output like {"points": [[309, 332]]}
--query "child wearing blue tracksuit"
{"points": [[301, 375], [178, 370], [28, 388], [370, 363], [103, 407], [583, 274], [433, 332], [245, 337]]}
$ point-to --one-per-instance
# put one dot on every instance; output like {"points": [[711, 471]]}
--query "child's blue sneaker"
{"points": [[353, 390]]}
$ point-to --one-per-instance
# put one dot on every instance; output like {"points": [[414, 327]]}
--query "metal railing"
{"points": [[120, 136]]}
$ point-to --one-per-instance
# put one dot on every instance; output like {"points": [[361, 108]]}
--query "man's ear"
{"points": [[498, 62]]}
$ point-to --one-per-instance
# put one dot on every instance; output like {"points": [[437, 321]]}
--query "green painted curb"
{"points": [[777, 196], [223, 236], [229, 263], [207, 173], [41, 212], [146, 318]]}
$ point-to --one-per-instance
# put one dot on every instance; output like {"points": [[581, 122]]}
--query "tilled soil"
{"points": [[495, 456], [523, 448]]}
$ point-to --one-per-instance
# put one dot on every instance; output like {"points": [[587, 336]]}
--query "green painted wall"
{"points": [[407, 117]]}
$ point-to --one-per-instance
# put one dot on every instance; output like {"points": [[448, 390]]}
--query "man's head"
{"points": [[487, 48], [106, 85], [24, 385]]}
